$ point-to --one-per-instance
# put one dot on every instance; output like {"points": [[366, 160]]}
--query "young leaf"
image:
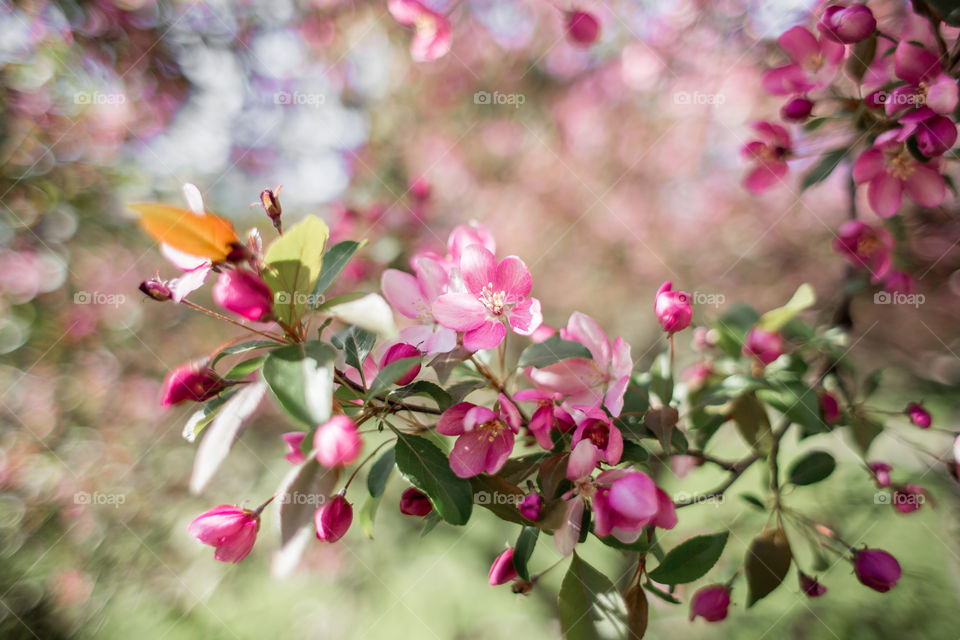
{"points": [[303, 488], [356, 344], [803, 298], [691, 560], [223, 432], [638, 612], [526, 543], [767, 563], [660, 593], [292, 265], [333, 263], [204, 415], [427, 468], [426, 388], [301, 378], [552, 350], [813, 467], [367, 514], [245, 368], [243, 347], [371, 312], [822, 170], [590, 605], [390, 374], [380, 473], [661, 378]]}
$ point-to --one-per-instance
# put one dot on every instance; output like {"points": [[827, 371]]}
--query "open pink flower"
{"points": [[927, 84], [865, 247], [497, 295], [548, 416], [232, 530], [433, 34], [595, 439], [601, 381], [413, 297], [813, 63], [293, 440], [769, 155], [627, 501], [485, 438]]}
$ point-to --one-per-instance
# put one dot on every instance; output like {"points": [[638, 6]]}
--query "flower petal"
{"points": [[925, 186], [403, 293], [469, 455], [451, 423], [884, 194], [799, 44], [868, 165], [585, 330], [487, 336], [478, 267], [526, 317], [459, 311], [513, 277]]}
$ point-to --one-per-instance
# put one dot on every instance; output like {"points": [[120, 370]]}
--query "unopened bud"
{"points": [[156, 289], [271, 204]]}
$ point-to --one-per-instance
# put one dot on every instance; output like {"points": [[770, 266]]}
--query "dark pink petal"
{"points": [[925, 186], [666, 517], [541, 424], [510, 413], [451, 423], [459, 311], [915, 64], [235, 548], [502, 570], [294, 453], [221, 521], [764, 176], [487, 336], [614, 450], [526, 317], [868, 165], [634, 496], [884, 194], [469, 455], [565, 538], [499, 451], [936, 135], [478, 267], [800, 44], [403, 293], [832, 51]]}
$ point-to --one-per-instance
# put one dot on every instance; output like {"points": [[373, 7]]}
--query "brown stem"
{"points": [[397, 404], [219, 316]]}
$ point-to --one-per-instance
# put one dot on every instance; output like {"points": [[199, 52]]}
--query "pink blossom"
{"points": [[600, 381], [192, 381], [710, 603], [918, 415], [413, 297], [769, 154], [502, 570], [402, 351], [530, 506], [433, 34], [865, 246], [672, 308], [813, 63], [337, 442], [627, 501], [583, 28], [908, 498], [847, 24], [881, 473], [595, 439], [811, 586], [293, 440], [797, 109], [485, 438], [765, 346], [549, 415], [465, 235], [415, 503], [231, 530], [245, 293], [927, 84], [933, 133], [876, 569], [829, 407], [497, 295], [333, 518]]}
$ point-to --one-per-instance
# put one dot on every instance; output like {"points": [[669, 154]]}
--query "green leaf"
{"points": [[333, 264], [638, 612], [428, 389], [204, 415], [427, 468], [499, 496], [526, 543], [814, 123], [660, 593], [243, 347], [822, 170], [872, 383], [590, 605], [552, 350], [865, 430], [803, 298], [767, 563], [691, 560], [732, 328], [368, 513], [812, 467], [753, 501], [301, 378], [356, 344], [245, 368], [380, 473], [799, 403], [752, 422], [390, 374], [292, 265], [634, 452]]}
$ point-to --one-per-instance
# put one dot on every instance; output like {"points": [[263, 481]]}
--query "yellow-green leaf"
{"points": [[802, 299], [292, 265]]}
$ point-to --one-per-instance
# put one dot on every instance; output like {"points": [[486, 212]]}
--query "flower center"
{"points": [[900, 165], [492, 428], [493, 300], [425, 25], [598, 434]]}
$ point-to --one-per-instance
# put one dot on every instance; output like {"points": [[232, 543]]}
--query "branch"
{"points": [[399, 405]]}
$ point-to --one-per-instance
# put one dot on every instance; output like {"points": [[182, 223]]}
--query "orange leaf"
{"points": [[204, 236]]}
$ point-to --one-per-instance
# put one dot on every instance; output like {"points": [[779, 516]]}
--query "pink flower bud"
{"points": [[811, 586], [502, 570], [765, 346], [797, 110], [333, 518], [898, 282], [847, 24], [401, 351], [414, 503], [245, 293], [881, 473], [337, 442], [829, 407], [710, 603], [530, 506], [191, 381], [231, 530], [876, 569], [293, 441], [672, 308], [918, 415], [582, 28], [908, 498], [156, 289], [271, 205]]}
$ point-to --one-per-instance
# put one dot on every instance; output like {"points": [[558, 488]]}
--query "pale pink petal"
{"points": [[585, 330], [210, 526], [431, 275], [831, 51], [884, 194], [634, 496], [433, 37], [451, 423], [583, 460], [478, 267], [942, 94], [925, 186], [194, 200], [403, 293], [868, 165], [477, 416], [459, 311], [405, 11], [513, 277], [510, 412], [189, 282], [487, 336], [613, 399], [567, 377], [800, 44], [184, 261], [526, 317], [790, 79], [621, 364], [566, 537], [469, 455], [614, 446], [765, 175], [430, 338]]}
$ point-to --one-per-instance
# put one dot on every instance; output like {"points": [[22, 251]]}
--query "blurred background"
{"points": [[609, 169]]}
